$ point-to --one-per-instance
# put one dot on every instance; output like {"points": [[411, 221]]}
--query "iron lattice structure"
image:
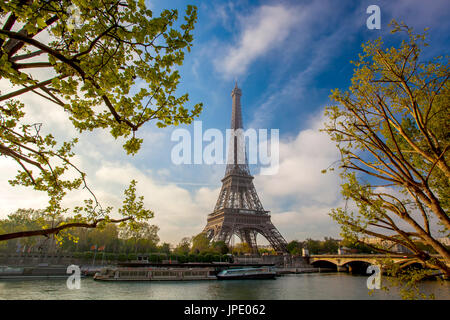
{"points": [[238, 209]]}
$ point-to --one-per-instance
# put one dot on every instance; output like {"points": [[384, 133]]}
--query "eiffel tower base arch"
{"points": [[223, 225]]}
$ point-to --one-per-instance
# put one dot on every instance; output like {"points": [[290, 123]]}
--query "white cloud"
{"points": [[306, 222], [17, 197], [300, 197], [264, 30], [178, 212], [301, 162]]}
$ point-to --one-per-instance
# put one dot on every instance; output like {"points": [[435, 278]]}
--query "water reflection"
{"points": [[333, 286]]}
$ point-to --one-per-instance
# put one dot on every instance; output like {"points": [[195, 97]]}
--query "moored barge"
{"points": [[154, 274]]}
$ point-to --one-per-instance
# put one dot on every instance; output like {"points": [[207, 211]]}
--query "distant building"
{"points": [[345, 250], [387, 245]]}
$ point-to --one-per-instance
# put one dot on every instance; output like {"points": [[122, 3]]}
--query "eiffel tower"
{"points": [[238, 209]]}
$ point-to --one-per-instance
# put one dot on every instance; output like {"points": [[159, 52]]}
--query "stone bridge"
{"points": [[360, 262]]}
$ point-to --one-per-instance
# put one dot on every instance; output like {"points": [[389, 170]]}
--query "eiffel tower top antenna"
{"points": [[236, 113], [236, 158]]}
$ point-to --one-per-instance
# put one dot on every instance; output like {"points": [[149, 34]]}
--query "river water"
{"points": [[333, 286]]}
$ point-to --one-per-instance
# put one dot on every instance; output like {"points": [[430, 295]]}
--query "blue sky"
{"points": [[286, 57], [298, 52]]}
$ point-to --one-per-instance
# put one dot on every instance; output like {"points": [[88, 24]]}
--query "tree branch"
{"points": [[56, 230]]}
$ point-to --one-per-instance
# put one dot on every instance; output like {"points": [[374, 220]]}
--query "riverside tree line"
{"points": [[125, 243], [115, 241]]}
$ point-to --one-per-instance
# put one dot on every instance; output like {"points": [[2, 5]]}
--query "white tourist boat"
{"points": [[247, 273]]}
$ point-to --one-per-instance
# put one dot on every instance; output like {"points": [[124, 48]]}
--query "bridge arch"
{"points": [[357, 266], [323, 263]]}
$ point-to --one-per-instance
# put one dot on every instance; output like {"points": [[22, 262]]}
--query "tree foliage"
{"points": [[407, 280], [109, 64], [326, 246], [241, 248], [295, 247], [22, 220], [200, 243], [392, 131], [219, 247], [184, 247], [142, 235], [106, 238]]}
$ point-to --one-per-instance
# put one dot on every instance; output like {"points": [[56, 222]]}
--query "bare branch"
{"points": [[56, 230]]}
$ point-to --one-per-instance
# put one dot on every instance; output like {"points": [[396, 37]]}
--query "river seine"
{"points": [[288, 287]]}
